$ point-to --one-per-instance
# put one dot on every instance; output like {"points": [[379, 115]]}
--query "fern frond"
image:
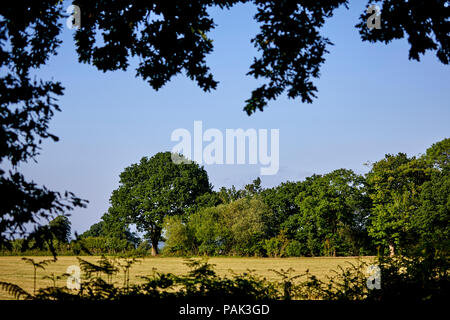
{"points": [[14, 290]]}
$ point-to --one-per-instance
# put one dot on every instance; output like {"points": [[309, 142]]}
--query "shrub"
{"points": [[276, 246], [294, 249], [176, 236], [105, 245]]}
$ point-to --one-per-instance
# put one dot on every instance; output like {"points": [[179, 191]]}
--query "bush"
{"points": [[143, 248], [177, 238], [273, 247], [417, 278], [276, 246], [105, 245], [235, 228], [295, 249]]}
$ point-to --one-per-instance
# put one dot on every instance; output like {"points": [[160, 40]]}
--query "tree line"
{"points": [[401, 205]]}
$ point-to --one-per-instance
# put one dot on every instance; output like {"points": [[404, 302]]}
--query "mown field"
{"points": [[14, 270]]}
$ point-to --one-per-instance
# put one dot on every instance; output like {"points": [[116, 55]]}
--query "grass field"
{"points": [[14, 270]]}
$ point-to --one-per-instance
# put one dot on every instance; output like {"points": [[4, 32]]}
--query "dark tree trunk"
{"points": [[154, 246], [155, 235]]}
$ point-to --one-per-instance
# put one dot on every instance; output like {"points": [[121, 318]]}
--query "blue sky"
{"points": [[372, 100]]}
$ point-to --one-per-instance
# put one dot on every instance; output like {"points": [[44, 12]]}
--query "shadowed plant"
{"points": [[37, 265], [287, 282], [54, 278], [125, 265]]}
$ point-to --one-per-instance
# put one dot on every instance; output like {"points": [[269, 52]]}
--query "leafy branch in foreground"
{"points": [[29, 36], [287, 281], [170, 38], [105, 266]]}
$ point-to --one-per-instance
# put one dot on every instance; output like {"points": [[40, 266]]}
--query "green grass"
{"points": [[14, 270]]}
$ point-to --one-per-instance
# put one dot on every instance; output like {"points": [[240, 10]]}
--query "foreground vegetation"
{"points": [[400, 278], [14, 270]]}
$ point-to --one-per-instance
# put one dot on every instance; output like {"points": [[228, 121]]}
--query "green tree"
{"points": [[438, 155], [154, 188], [228, 195], [254, 188], [432, 218], [247, 220], [96, 230], [205, 200], [332, 213], [232, 228], [394, 187], [281, 200], [431, 221], [60, 227], [210, 236], [179, 238], [112, 226]]}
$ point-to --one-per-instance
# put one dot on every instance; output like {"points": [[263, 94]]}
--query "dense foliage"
{"points": [[401, 206], [155, 188], [234, 228]]}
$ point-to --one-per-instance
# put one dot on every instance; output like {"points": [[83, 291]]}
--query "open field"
{"points": [[14, 270]]}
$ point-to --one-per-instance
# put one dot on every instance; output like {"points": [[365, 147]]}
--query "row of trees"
{"points": [[401, 204], [323, 215], [55, 238]]}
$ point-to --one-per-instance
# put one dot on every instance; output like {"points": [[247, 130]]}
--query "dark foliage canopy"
{"points": [[28, 37], [171, 38]]}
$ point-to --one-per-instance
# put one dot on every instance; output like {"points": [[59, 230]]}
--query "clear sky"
{"points": [[372, 100]]}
